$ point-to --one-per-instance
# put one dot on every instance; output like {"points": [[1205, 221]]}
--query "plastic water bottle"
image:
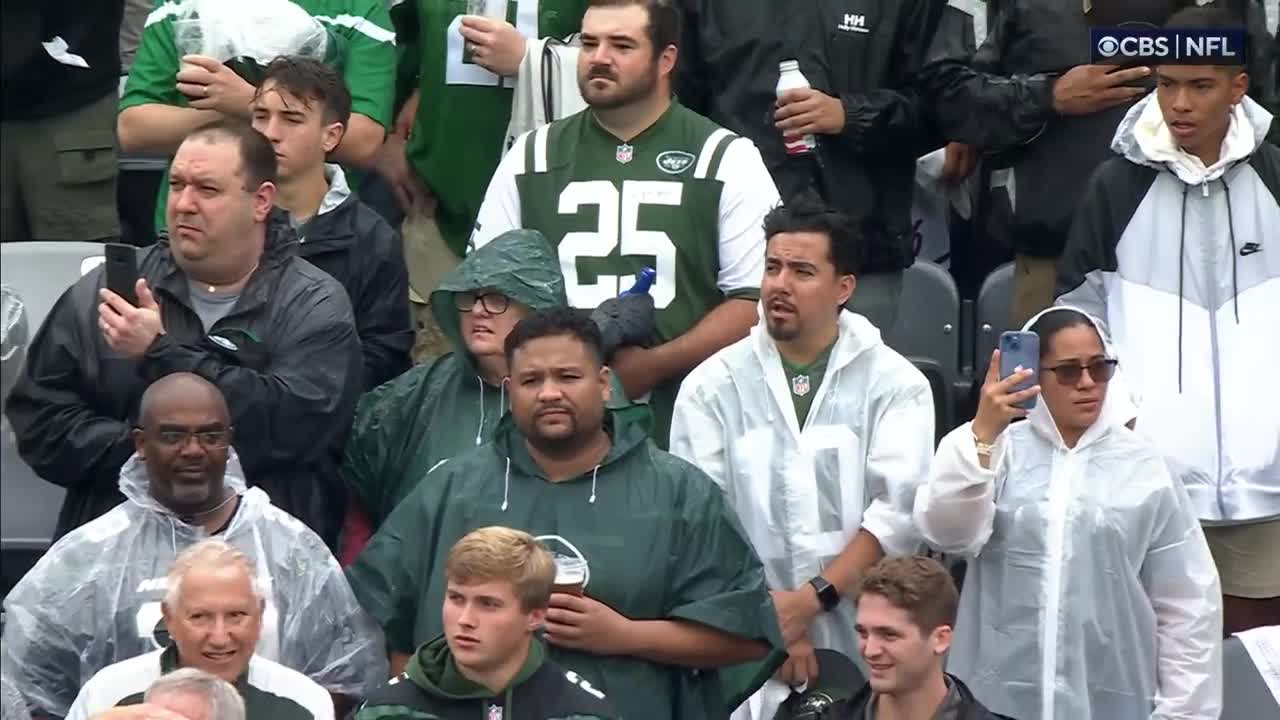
{"points": [[644, 281], [790, 78]]}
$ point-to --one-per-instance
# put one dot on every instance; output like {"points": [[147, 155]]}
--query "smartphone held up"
{"points": [[1020, 349]]}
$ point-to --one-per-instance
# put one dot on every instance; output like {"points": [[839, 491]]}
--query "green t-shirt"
{"points": [[464, 110], [366, 56], [685, 197], [804, 381]]}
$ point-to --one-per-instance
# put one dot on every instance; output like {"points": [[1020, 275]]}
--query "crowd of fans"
{"points": [[385, 431]]}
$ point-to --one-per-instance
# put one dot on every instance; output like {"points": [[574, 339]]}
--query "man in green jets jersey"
{"points": [[639, 180]]}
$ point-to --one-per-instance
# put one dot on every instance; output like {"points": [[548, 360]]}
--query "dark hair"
{"points": [[664, 20], [310, 81], [1211, 17], [555, 322], [257, 157], [807, 214], [1055, 321], [917, 584]]}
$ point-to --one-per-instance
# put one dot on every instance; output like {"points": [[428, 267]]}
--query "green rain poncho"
{"points": [[658, 537], [404, 427]]}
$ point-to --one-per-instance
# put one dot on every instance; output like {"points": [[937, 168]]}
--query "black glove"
{"points": [[626, 320]]}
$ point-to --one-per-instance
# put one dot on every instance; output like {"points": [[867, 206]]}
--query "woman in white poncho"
{"points": [[1090, 593]]}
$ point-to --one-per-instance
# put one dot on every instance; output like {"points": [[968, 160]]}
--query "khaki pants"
{"points": [[1034, 281], [429, 259], [1248, 558], [58, 176]]}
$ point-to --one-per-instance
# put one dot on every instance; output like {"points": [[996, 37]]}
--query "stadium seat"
{"points": [[1245, 695], [927, 332], [39, 272], [995, 301]]}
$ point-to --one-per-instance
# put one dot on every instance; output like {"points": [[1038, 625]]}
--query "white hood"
{"points": [[1143, 138]]}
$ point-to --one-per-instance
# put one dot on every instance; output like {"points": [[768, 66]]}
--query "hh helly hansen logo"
{"points": [[1250, 248], [854, 22], [674, 162]]}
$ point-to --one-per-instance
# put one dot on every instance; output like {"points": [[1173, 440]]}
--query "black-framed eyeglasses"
{"points": [[1099, 371], [208, 439], [492, 302]]}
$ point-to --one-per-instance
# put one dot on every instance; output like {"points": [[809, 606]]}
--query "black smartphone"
{"points": [[122, 271]]}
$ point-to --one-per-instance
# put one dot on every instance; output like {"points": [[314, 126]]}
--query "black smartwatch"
{"points": [[827, 593]]}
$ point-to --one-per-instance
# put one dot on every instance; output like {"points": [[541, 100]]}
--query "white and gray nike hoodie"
{"points": [[1182, 261]]}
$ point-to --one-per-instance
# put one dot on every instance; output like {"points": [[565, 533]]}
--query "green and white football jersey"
{"points": [[686, 197]]}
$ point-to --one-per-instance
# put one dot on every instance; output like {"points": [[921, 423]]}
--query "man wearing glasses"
{"points": [[440, 408], [223, 295], [95, 599]]}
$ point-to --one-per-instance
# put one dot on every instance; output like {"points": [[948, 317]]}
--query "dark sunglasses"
{"points": [[1099, 370], [495, 303]]}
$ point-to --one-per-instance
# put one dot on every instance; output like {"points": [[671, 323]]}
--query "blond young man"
{"points": [[490, 659]]}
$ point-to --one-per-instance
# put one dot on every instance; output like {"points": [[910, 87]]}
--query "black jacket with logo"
{"points": [[868, 54], [359, 249], [286, 357]]}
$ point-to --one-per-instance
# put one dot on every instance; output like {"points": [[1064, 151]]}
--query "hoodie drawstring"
{"points": [[1182, 249], [1231, 232], [480, 428], [506, 485], [592, 499]]}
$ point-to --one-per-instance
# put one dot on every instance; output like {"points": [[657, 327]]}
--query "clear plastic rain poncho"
{"points": [[14, 336], [249, 34], [94, 598], [1090, 593]]}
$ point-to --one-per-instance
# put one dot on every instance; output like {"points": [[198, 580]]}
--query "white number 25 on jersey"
{"points": [[617, 227], [458, 72]]}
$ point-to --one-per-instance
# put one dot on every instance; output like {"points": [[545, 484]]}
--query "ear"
{"points": [[1239, 87], [138, 444], [167, 613], [941, 639], [606, 383], [537, 618], [847, 285], [263, 199], [331, 136], [667, 60]]}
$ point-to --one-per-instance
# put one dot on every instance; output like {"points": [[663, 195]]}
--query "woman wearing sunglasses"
{"points": [[1090, 592]]}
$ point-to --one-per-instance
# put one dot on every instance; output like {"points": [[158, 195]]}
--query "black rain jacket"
{"points": [[866, 52], [287, 358]]}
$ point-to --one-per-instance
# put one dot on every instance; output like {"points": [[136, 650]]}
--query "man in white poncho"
{"points": [[817, 432], [1090, 592], [94, 599]]}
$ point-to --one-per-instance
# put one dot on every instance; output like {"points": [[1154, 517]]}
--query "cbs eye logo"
{"points": [[1108, 46]]}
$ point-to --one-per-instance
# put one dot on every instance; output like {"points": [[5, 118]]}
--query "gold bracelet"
{"points": [[984, 449]]}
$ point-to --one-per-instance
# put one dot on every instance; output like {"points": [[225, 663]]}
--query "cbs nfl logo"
{"points": [[1122, 46]]}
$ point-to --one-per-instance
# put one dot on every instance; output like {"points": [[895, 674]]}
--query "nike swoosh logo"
{"points": [[1250, 249]]}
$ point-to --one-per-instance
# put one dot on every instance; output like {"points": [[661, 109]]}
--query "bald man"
{"points": [[95, 598]]}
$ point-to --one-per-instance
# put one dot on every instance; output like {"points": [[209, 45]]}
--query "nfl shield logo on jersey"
{"points": [[625, 153], [495, 712]]}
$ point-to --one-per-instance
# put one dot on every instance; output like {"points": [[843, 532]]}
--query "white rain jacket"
{"points": [[94, 598], [1090, 593], [802, 495], [1180, 261]]}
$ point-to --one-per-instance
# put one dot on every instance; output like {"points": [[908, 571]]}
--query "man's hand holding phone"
{"points": [[998, 403], [128, 329]]}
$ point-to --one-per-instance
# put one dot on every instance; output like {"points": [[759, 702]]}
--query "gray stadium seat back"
{"points": [[1245, 695], [928, 327], [995, 302], [40, 272]]}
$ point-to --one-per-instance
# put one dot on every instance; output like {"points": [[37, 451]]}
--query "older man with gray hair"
{"points": [[213, 610], [185, 694]]}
